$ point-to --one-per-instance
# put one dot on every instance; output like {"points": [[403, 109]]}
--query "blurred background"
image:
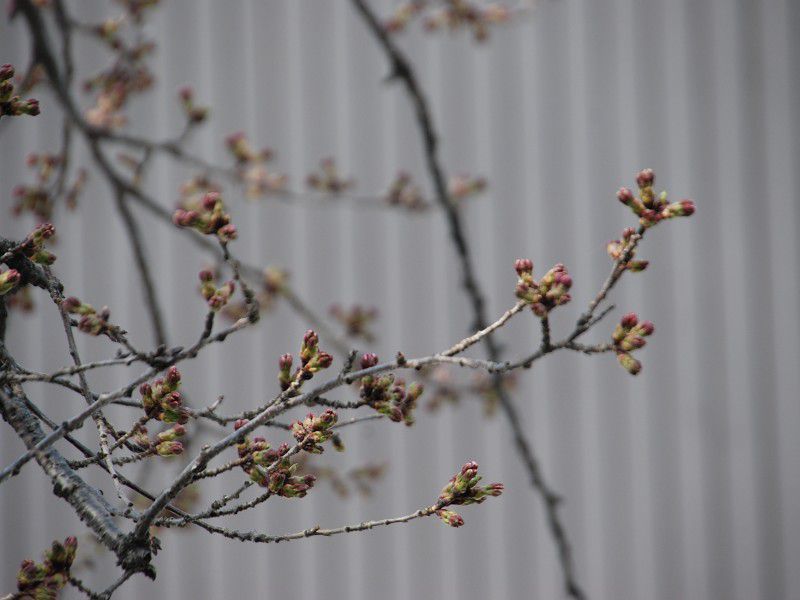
{"points": [[681, 483]]}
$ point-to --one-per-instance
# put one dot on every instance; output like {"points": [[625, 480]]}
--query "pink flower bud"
{"points": [[523, 265], [369, 360], [645, 178], [625, 196], [629, 320], [647, 327], [310, 338], [324, 360], [173, 376], [210, 200]]}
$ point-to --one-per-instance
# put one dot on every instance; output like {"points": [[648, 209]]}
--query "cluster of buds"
{"points": [[216, 297], [92, 321], [194, 114], [550, 291], [463, 186], [312, 360], [257, 178], [442, 388], [166, 443], [617, 248], [272, 283], [209, 218], [313, 431], [107, 111], [356, 320], [463, 489], [239, 146], [361, 478], [162, 401], [405, 194], [9, 280], [270, 468], [108, 31], [127, 75], [36, 198], [629, 336], [22, 300], [403, 14], [388, 396], [39, 198], [74, 190], [11, 105], [329, 180], [649, 208], [483, 385], [453, 15], [45, 580], [33, 246], [135, 8]]}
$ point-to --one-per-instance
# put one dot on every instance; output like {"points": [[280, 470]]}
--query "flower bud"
{"points": [[369, 360], [630, 364], [451, 518], [9, 280], [645, 178], [523, 265], [169, 448]]}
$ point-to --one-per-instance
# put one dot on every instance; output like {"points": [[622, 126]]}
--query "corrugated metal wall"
{"points": [[681, 483]]}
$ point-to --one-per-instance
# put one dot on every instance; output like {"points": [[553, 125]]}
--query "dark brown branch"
{"points": [[403, 71]]}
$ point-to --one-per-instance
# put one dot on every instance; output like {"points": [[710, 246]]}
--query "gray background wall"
{"points": [[681, 483]]}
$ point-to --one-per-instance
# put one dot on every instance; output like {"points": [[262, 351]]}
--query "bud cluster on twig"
{"points": [[9, 280], [387, 395], [544, 295], [273, 281], [355, 320], [650, 208], [45, 580], [162, 401], [404, 193], [252, 168], [270, 468], [39, 198], [92, 321], [314, 430], [462, 490], [312, 360], [629, 336], [194, 114], [215, 297], [464, 186], [164, 444], [33, 246], [208, 217], [12, 105], [328, 179], [452, 14], [617, 248]]}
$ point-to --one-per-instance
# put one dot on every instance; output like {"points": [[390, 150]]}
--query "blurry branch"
{"points": [[402, 71]]}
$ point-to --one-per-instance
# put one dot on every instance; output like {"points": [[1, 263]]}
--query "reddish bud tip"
{"points": [[523, 265], [625, 196], [645, 178], [369, 360]]}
